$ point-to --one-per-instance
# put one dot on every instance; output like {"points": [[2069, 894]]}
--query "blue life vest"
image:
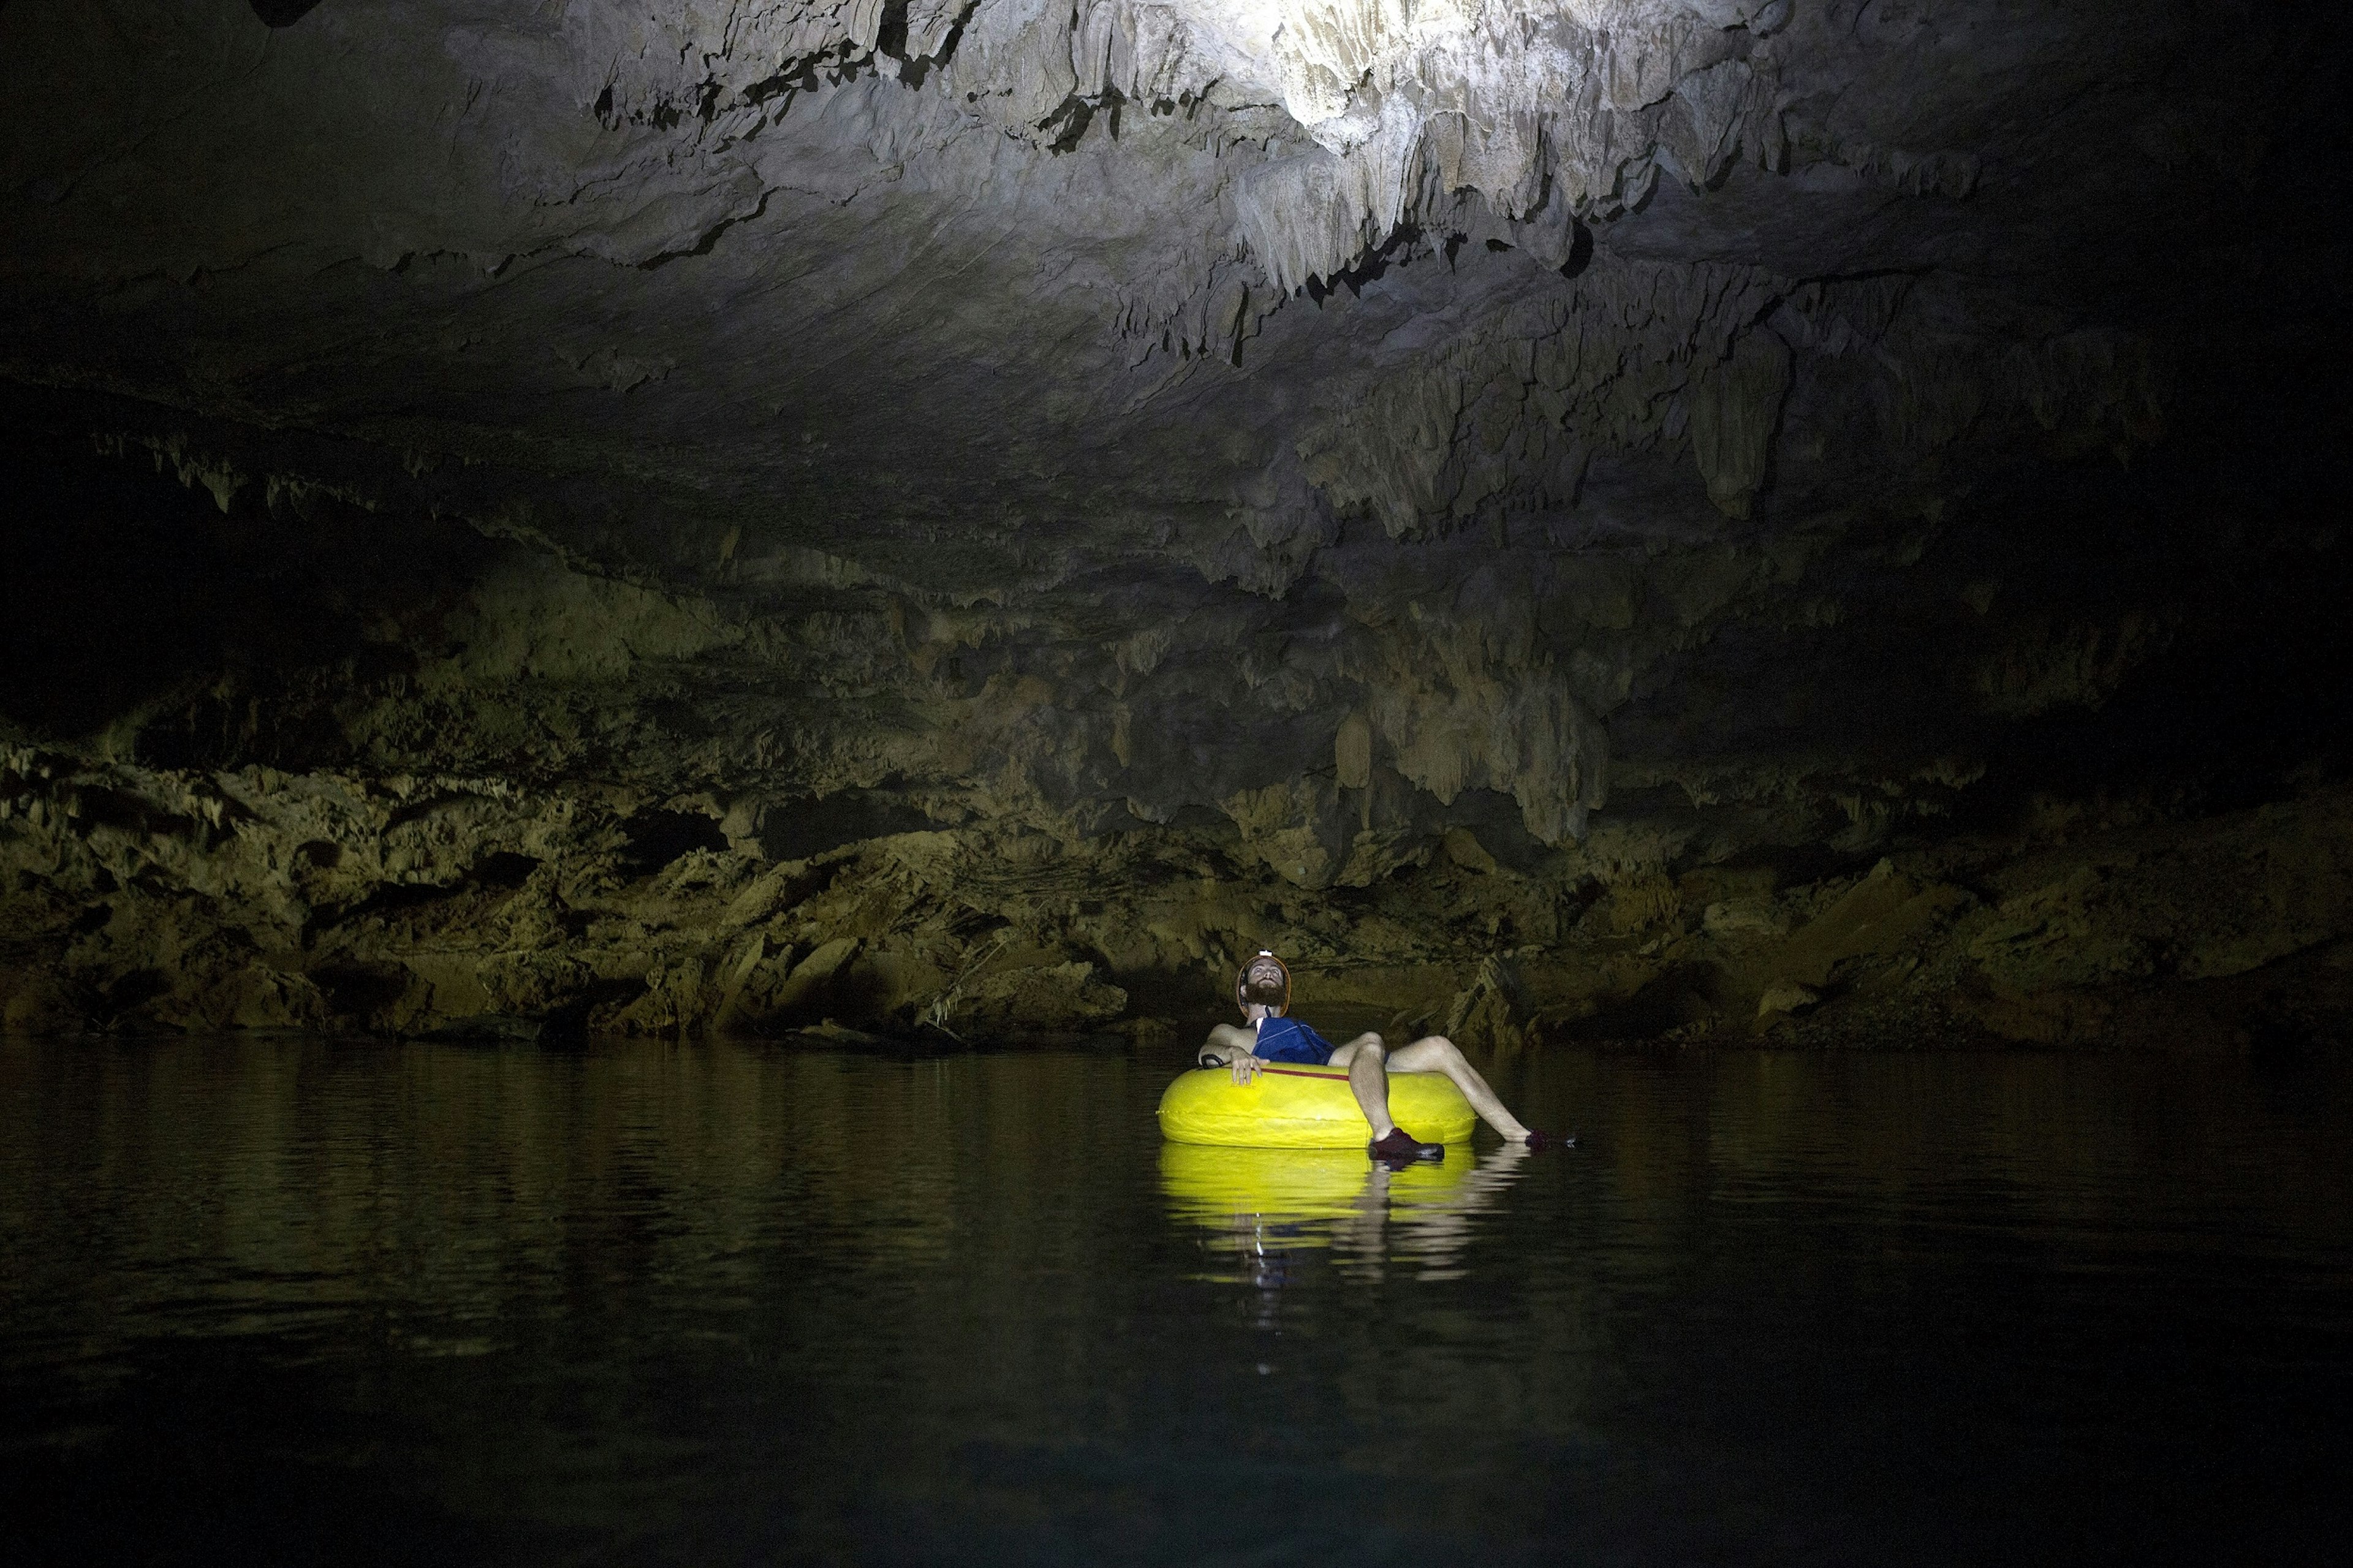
{"points": [[1289, 1040]]}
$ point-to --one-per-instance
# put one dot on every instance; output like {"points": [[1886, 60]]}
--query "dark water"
{"points": [[318, 1302]]}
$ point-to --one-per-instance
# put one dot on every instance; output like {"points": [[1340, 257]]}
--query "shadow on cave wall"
{"points": [[2224, 554], [131, 597], [119, 589], [283, 12]]}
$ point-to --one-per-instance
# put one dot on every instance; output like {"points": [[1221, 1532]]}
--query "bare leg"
{"points": [[1437, 1054], [1367, 1064]]}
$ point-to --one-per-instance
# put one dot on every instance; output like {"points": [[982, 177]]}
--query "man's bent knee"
{"points": [[1435, 1045]]}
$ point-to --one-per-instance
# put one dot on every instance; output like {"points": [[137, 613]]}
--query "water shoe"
{"points": [[1400, 1146]]}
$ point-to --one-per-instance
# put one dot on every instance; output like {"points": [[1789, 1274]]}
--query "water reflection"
{"points": [[1259, 1209], [716, 1303]]}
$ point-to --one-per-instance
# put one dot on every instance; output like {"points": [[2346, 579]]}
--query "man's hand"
{"points": [[1246, 1066]]}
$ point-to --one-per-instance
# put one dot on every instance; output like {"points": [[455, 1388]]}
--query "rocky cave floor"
{"points": [[142, 899]]}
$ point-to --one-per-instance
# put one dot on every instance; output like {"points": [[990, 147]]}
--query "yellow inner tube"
{"points": [[1292, 1105], [1219, 1187]]}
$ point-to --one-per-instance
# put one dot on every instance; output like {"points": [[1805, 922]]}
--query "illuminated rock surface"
{"points": [[1572, 519]]}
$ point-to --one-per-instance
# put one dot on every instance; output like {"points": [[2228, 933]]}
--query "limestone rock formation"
{"points": [[958, 517]]}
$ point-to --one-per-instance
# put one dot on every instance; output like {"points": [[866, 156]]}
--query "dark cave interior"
{"points": [[1719, 521]]}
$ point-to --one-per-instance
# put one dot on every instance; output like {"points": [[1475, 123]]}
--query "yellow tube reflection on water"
{"points": [[1217, 1185], [1259, 1205]]}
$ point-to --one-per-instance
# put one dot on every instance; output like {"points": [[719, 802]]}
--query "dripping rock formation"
{"points": [[953, 519]]}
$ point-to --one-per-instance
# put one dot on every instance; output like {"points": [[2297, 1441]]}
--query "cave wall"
{"points": [[967, 519]]}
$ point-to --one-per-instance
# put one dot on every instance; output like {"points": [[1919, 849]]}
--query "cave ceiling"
{"points": [[1131, 407]]}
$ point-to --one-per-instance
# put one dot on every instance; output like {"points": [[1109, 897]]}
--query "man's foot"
{"points": [[1541, 1141], [1401, 1147]]}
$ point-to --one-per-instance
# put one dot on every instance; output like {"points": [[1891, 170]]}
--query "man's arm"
{"points": [[1230, 1046]]}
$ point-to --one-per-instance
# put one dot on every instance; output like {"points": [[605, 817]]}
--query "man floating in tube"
{"points": [[1267, 1034]]}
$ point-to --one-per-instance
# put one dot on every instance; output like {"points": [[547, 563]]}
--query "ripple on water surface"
{"points": [[324, 1298]]}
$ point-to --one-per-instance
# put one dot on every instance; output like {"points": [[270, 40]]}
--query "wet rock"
{"points": [[1786, 996], [453, 907], [1733, 920], [1876, 917], [1041, 998]]}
